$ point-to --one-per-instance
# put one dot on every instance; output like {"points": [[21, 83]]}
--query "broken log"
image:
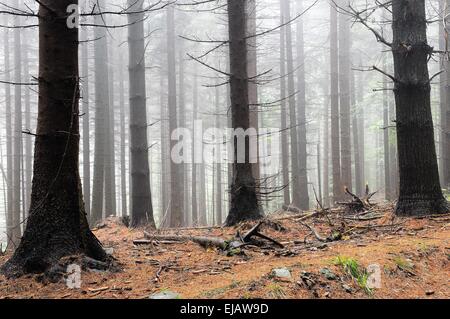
{"points": [[205, 242]]}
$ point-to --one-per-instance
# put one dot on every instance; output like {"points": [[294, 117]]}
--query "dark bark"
{"points": [[244, 200], [141, 207], [420, 191], [57, 224]]}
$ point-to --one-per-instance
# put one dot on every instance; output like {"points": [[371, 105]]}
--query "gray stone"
{"points": [[167, 294], [282, 273], [347, 288], [328, 274]]}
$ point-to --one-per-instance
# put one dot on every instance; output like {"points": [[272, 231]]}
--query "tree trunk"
{"points": [[326, 146], [101, 113], [176, 185], [301, 113], [334, 93], [86, 119], [141, 208], [110, 165], [359, 190], [295, 171], [9, 143], [57, 224], [252, 85], [420, 191], [361, 130], [386, 123], [244, 200], [283, 112], [218, 188], [446, 122], [182, 124], [123, 175], [17, 156], [344, 97], [28, 145], [194, 210]]}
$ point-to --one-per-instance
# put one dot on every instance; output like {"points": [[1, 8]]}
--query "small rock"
{"points": [[429, 292], [328, 274], [167, 294], [347, 288], [281, 273], [109, 251]]}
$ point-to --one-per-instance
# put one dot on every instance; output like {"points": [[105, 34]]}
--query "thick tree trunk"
{"points": [[101, 114], [344, 97], [176, 184], [334, 93], [283, 112], [301, 113], [420, 191], [244, 200], [57, 224], [141, 208]]}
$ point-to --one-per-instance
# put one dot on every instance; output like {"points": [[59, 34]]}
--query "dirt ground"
{"points": [[413, 254]]}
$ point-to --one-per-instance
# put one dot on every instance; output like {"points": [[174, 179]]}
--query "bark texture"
{"points": [[57, 224], [420, 191], [244, 200]]}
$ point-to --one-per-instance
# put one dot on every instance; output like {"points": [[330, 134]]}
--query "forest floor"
{"points": [[413, 255]]}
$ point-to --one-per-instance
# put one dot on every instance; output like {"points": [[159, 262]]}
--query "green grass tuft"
{"points": [[352, 268]]}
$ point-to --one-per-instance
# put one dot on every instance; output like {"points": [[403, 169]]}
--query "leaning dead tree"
{"points": [[57, 225], [420, 190]]}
